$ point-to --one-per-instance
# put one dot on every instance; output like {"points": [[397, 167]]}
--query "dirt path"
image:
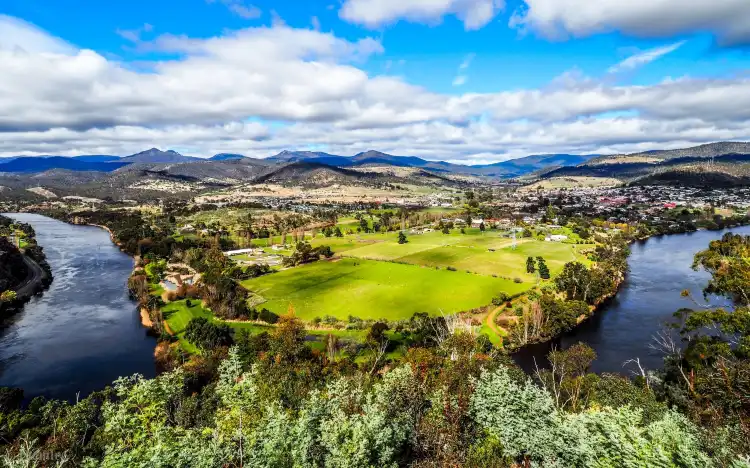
{"points": [[490, 321]]}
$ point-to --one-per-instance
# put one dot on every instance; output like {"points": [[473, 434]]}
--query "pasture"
{"points": [[487, 254], [371, 290]]}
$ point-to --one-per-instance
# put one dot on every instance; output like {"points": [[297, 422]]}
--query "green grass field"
{"points": [[371, 290], [470, 251]]}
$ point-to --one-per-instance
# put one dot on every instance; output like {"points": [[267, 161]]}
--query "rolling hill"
{"points": [[314, 174], [702, 165]]}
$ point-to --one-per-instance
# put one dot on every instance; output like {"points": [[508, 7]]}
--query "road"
{"points": [[33, 279]]}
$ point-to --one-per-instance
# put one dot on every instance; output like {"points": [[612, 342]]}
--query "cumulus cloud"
{"points": [[727, 20], [475, 14], [645, 57], [212, 95], [19, 36]]}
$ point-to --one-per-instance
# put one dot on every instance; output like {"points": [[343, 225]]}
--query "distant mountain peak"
{"points": [[155, 155], [371, 154], [226, 157]]}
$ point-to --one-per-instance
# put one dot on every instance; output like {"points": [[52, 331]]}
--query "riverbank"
{"points": [[38, 272], [604, 301], [625, 325]]}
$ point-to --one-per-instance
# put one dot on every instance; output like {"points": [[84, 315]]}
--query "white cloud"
{"points": [[727, 20], [645, 57], [475, 14], [467, 61], [240, 8], [461, 78], [213, 96], [134, 35], [18, 35]]}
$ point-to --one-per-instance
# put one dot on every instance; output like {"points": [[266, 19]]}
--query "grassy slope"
{"points": [[371, 290]]}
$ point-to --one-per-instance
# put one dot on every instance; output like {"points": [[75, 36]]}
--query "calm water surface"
{"points": [[84, 331], [660, 269]]}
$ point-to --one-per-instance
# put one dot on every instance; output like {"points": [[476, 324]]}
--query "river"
{"points": [[660, 269], [84, 331]]}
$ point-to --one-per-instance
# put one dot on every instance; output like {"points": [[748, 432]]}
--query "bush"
{"points": [[8, 296], [268, 316], [450, 268], [517, 280]]}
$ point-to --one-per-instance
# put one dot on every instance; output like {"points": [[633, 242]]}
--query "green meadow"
{"points": [[371, 290], [487, 254]]}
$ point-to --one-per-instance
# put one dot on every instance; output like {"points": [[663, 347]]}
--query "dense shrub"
{"points": [[206, 335]]}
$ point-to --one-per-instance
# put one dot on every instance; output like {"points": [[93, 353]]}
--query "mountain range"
{"points": [[727, 157], [104, 163]]}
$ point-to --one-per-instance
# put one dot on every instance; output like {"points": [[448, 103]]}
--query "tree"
{"points": [[530, 265], [206, 335], [8, 296], [481, 226], [446, 230], [542, 267], [246, 227], [305, 253], [575, 281], [402, 238], [567, 380], [338, 232]]}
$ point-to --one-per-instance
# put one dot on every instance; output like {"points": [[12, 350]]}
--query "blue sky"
{"points": [[460, 80]]}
